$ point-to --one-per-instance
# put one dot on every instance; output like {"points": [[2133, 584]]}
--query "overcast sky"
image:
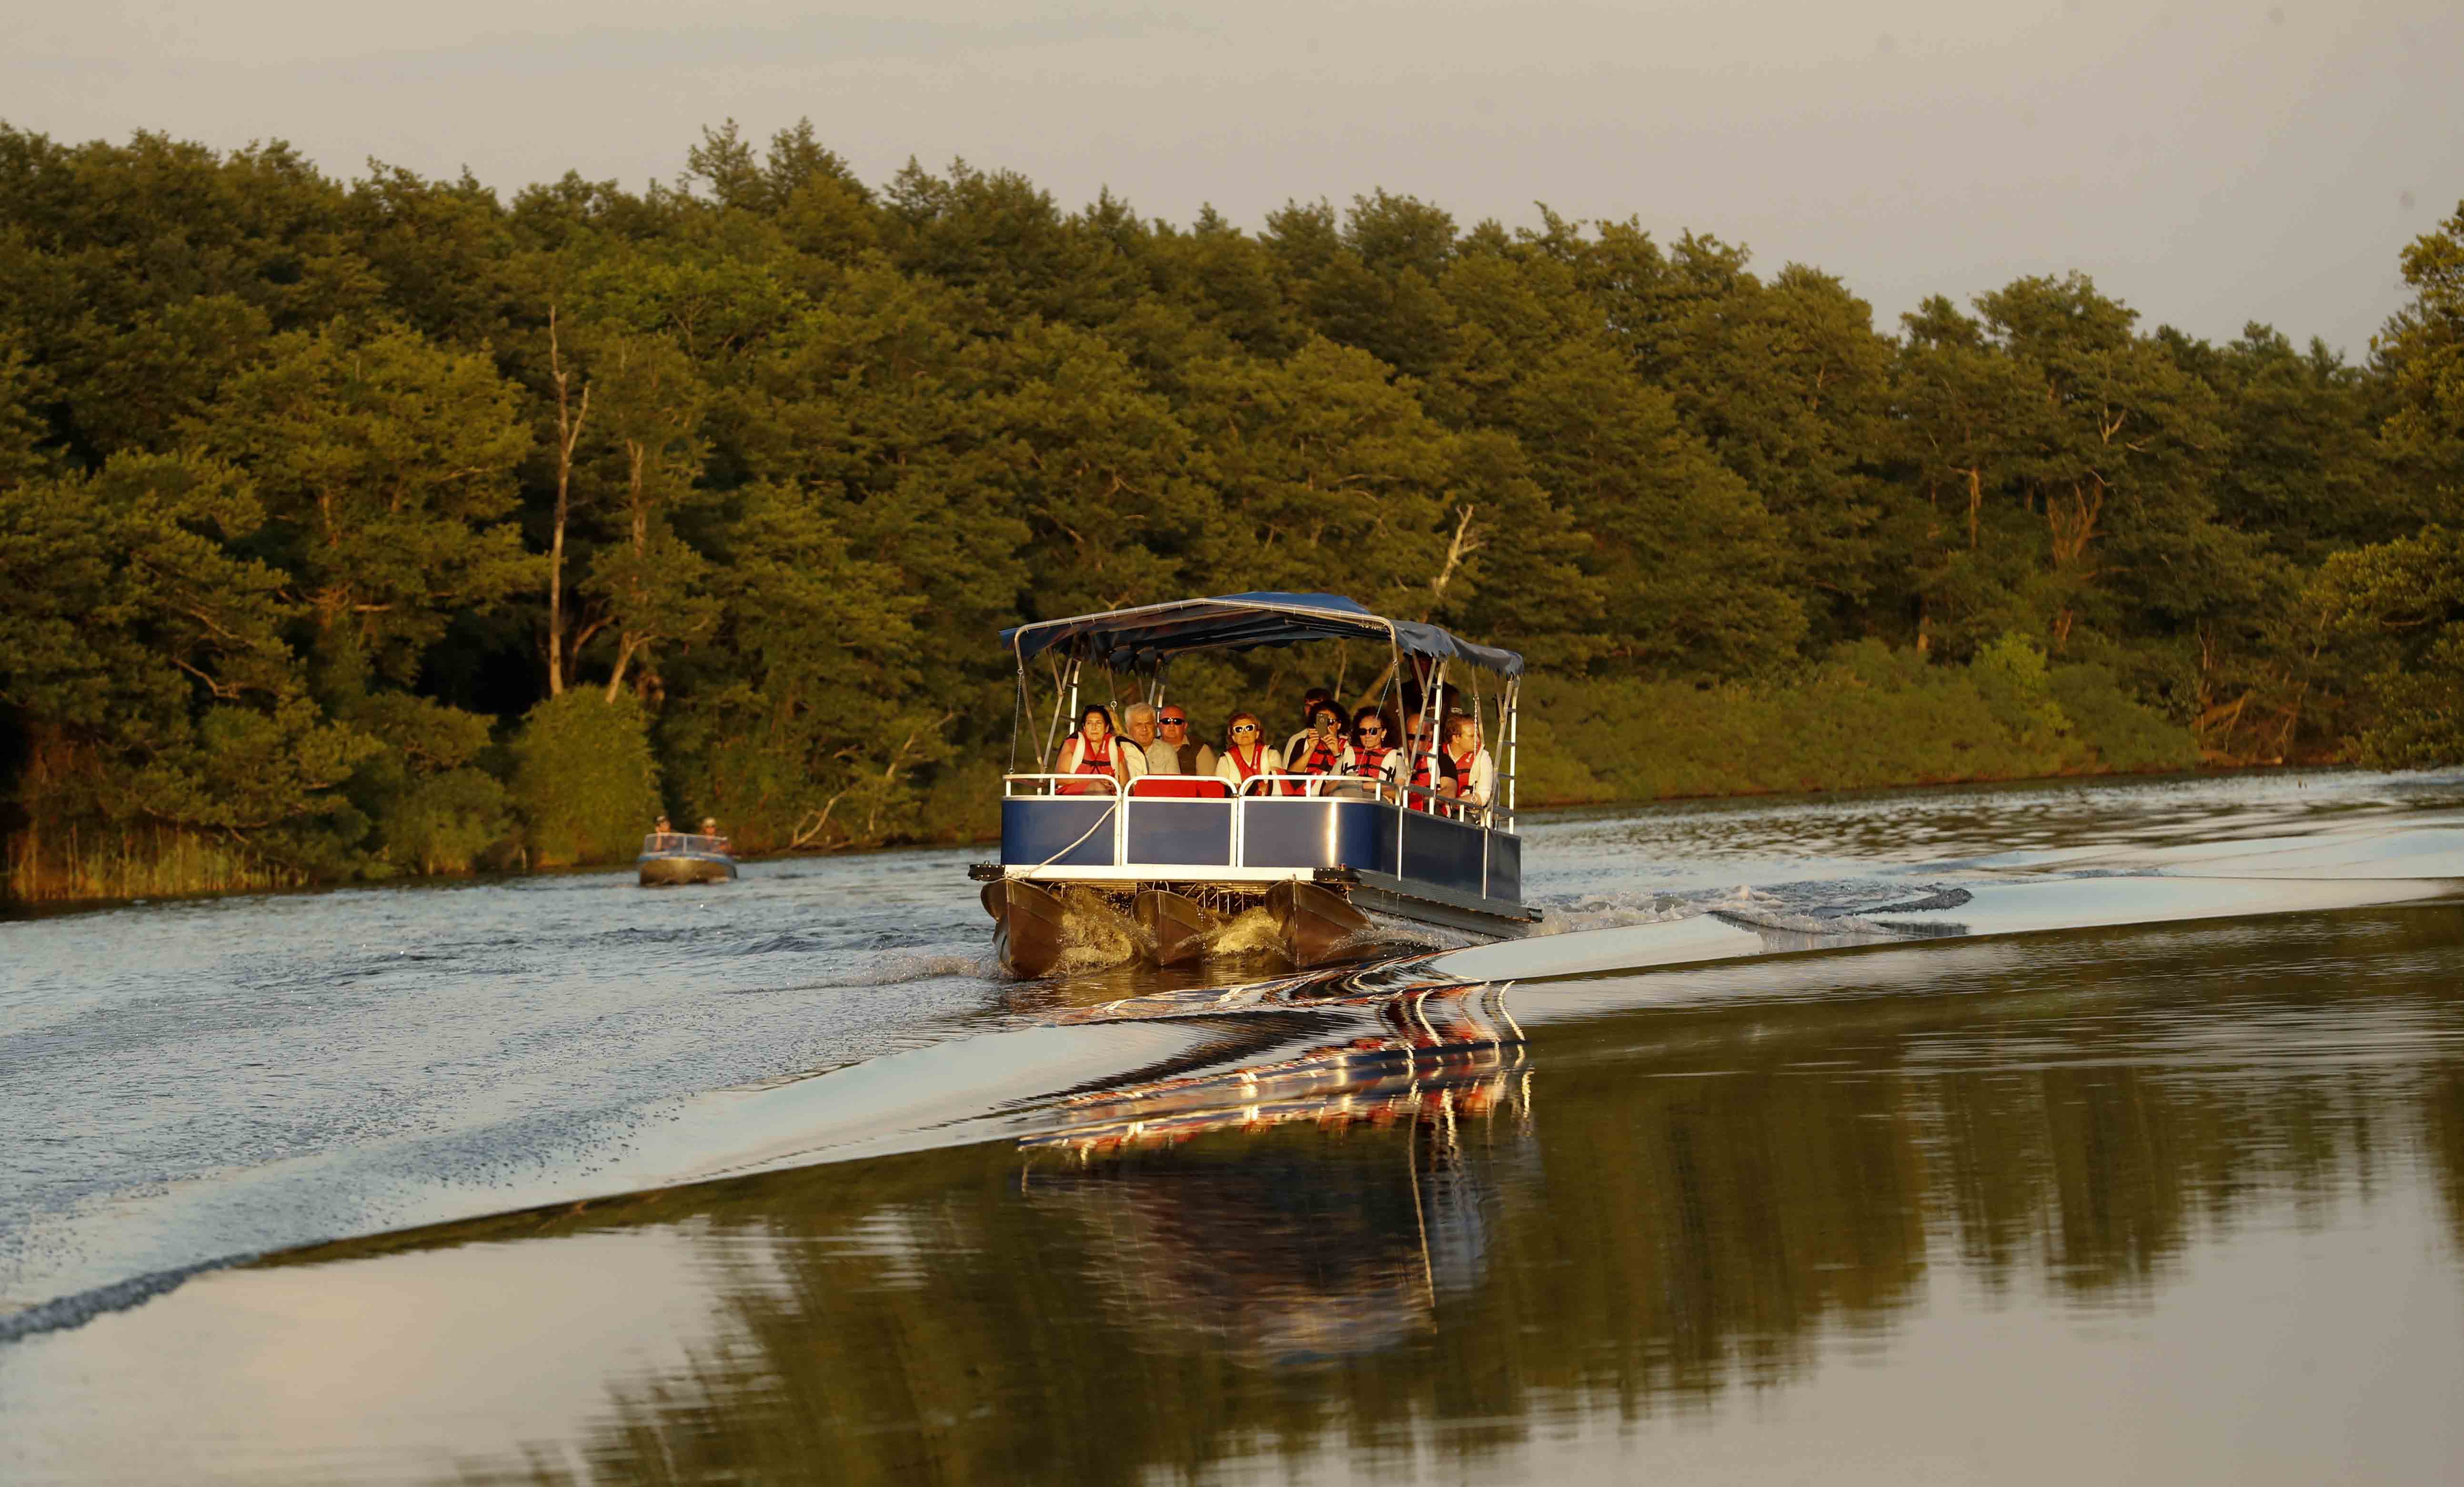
{"points": [[2209, 162]]}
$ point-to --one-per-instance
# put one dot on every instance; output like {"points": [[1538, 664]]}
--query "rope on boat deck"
{"points": [[1109, 809]]}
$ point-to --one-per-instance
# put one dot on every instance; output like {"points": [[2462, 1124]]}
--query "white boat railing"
{"points": [[1264, 787], [1261, 790]]}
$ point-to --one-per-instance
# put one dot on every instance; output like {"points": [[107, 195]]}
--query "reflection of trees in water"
{"points": [[1700, 1197], [1247, 1243]]}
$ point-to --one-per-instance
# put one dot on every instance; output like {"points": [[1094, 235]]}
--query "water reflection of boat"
{"points": [[1319, 869], [673, 858], [1272, 1246], [1438, 1052]]}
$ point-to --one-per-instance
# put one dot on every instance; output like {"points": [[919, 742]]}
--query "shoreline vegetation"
{"points": [[355, 530]]}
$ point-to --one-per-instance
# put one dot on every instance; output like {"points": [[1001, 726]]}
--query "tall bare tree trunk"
{"points": [[568, 432], [629, 643]]}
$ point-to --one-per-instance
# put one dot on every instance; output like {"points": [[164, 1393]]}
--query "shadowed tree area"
{"points": [[312, 491]]}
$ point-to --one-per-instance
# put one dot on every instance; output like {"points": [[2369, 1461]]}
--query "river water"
{"points": [[2107, 1131]]}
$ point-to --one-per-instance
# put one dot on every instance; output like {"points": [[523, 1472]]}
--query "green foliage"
{"points": [[2010, 674], [2124, 735], [449, 822], [2423, 349], [2401, 605], [584, 783], [291, 467], [1869, 716], [2421, 711]]}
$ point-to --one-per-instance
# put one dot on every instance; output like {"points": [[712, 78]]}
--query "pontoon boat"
{"points": [[1090, 872]]}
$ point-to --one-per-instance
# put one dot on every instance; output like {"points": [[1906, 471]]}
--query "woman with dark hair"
{"points": [[1248, 757], [1097, 749], [1374, 755], [1318, 751]]}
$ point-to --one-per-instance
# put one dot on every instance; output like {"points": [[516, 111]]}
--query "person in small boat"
{"points": [[716, 842], [1247, 756], [1095, 750], [1475, 773], [1312, 700], [1374, 755], [1319, 751]]}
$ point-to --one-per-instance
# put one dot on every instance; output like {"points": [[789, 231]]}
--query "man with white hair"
{"points": [[1138, 726]]}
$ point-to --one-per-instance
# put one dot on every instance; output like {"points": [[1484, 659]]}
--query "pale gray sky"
{"points": [[2209, 163]]}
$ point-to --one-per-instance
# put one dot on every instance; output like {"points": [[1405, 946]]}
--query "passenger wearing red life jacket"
{"points": [[1475, 774], [1095, 750], [1320, 750], [1247, 758], [1374, 757], [1431, 771]]}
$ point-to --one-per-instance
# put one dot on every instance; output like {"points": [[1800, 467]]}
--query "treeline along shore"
{"points": [[382, 526]]}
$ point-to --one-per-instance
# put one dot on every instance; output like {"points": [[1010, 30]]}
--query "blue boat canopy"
{"points": [[1140, 638]]}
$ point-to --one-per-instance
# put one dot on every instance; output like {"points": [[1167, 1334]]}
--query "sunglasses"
{"points": [[1244, 728], [1173, 723], [1373, 727]]}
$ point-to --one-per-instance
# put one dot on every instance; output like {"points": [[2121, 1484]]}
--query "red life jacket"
{"points": [[1463, 777], [1424, 771], [1370, 763], [1186, 761], [1321, 759], [1249, 768], [1090, 762]]}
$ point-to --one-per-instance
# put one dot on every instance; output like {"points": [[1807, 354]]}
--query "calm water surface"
{"points": [[2087, 1132]]}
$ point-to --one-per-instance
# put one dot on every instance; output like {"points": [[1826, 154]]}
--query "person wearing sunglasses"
{"points": [[1175, 753], [1312, 700], [1320, 750], [1248, 757], [1374, 755], [1430, 769]]}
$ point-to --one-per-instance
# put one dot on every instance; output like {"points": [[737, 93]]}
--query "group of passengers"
{"points": [[664, 837], [1372, 755]]}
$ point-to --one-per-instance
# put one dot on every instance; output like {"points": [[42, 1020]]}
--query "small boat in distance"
{"points": [[1320, 868], [670, 858]]}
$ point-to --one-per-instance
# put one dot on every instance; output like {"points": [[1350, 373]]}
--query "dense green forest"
{"points": [[382, 526]]}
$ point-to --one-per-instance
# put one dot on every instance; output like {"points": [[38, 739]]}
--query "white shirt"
{"points": [[1269, 762]]}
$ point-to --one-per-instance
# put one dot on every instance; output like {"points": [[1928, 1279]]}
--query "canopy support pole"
{"points": [[1052, 734], [1513, 732]]}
